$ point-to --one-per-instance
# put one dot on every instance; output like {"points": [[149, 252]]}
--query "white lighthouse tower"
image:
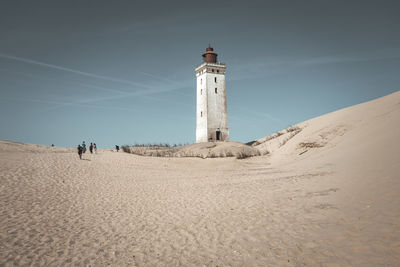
{"points": [[211, 109]]}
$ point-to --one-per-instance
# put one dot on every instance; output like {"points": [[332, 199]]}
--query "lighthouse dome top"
{"points": [[209, 48], [210, 62], [210, 56]]}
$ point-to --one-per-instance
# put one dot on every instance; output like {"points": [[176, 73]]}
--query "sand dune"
{"points": [[325, 196]]}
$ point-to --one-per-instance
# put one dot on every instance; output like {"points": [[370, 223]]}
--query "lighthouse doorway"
{"points": [[218, 135]]}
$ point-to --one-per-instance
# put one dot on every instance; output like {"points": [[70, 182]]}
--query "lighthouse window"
{"points": [[215, 90], [201, 91], [201, 81], [217, 71], [201, 114], [212, 70], [215, 79]]}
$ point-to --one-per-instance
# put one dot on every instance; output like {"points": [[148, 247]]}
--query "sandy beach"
{"points": [[333, 203]]}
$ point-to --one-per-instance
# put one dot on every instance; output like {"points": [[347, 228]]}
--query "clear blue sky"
{"points": [[122, 72]]}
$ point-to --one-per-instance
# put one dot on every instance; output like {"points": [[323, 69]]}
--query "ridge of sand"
{"points": [[338, 204]]}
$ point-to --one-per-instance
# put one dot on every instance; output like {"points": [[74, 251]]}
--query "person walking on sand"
{"points": [[83, 147], [80, 150], [95, 148], [91, 148], [117, 147]]}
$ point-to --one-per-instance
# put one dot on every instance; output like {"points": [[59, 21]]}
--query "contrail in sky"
{"points": [[147, 89], [116, 97], [74, 71], [74, 83]]}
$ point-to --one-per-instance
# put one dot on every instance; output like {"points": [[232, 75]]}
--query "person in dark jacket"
{"points": [[80, 151]]}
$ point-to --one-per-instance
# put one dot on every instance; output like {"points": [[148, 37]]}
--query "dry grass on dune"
{"points": [[273, 142], [200, 150]]}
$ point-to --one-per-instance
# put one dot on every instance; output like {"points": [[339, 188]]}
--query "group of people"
{"points": [[92, 147], [82, 149]]}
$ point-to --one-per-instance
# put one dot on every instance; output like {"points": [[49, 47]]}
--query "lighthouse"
{"points": [[211, 108]]}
